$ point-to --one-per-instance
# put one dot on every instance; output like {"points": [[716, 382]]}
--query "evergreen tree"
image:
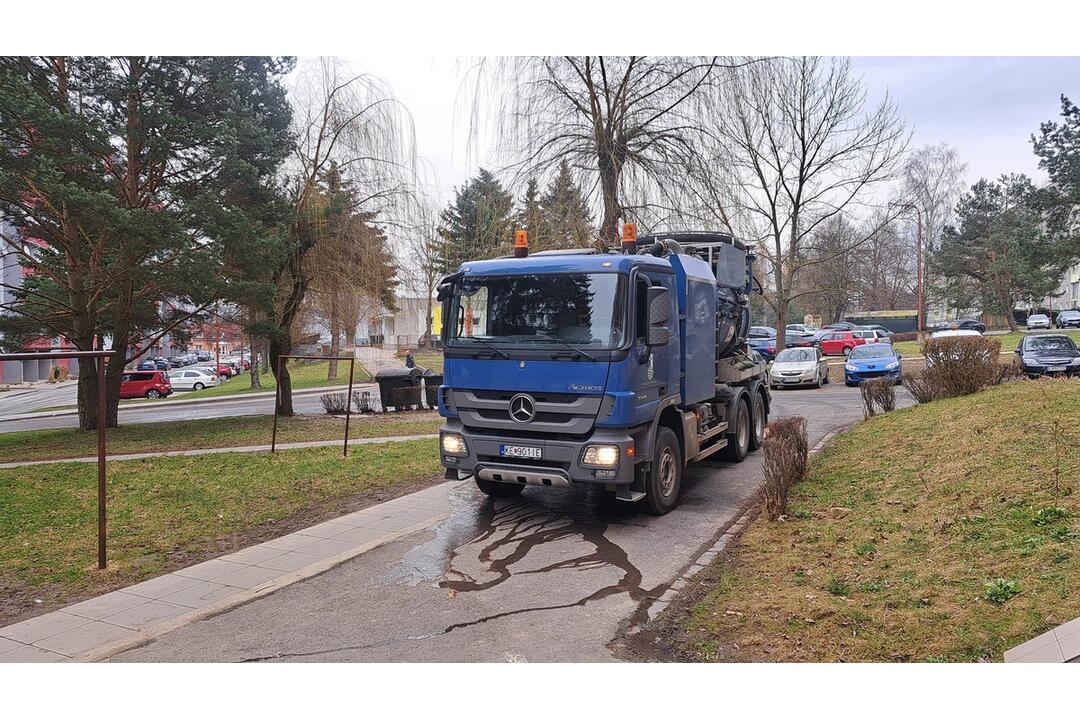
{"points": [[478, 223], [107, 168], [567, 221], [531, 217], [1003, 243], [1058, 149]]}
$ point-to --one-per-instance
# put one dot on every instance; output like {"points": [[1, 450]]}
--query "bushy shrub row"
{"points": [[957, 366]]}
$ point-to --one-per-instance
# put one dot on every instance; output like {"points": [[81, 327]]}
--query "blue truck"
{"points": [[607, 369]]}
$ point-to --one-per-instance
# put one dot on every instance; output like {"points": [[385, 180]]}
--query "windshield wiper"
{"points": [[562, 342], [490, 347]]}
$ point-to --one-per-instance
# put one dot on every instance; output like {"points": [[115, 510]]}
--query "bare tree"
{"points": [[424, 264], [799, 146], [885, 262], [629, 127]]}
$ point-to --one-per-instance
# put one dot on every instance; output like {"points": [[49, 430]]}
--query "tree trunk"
{"points": [[427, 323], [335, 337], [278, 347], [609, 186]]}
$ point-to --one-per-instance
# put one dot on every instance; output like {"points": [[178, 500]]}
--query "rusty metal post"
{"points": [[277, 398], [102, 414], [348, 405]]}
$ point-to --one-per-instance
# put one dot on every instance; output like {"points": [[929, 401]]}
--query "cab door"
{"points": [[655, 369]]}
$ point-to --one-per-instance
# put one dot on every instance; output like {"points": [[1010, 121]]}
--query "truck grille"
{"points": [[560, 413]]}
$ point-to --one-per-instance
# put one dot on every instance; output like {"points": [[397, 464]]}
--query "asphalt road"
{"points": [[555, 575], [148, 411]]}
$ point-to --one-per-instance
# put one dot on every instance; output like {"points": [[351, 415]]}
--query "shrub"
{"points": [[335, 403], [918, 383], [362, 401], [904, 337], [879, 392], [785, 452], [958, 366]]}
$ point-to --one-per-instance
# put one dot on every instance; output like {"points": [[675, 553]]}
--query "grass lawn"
{"points": [[1008, 342], [940, 500], [433, 361], [208, 433], [167, 513]]}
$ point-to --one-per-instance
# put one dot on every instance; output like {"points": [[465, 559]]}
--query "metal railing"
{"points": [[102, 414], [277, 393]]}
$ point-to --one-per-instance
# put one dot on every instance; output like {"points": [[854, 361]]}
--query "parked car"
{"points": [[1068, 318], [761, 331], [160, 363], [880, 328], [147, 365], [764, 346], [872, 361], [203, 355], [225, 371], [1038, 321], [843, 342], [191, 379], [149, 384], [799, 366], [1051, 355], [176, 362], [801, 329], [840, 325], [955, 333]]}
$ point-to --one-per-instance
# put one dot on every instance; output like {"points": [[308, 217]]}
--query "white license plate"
{"points": [[519, 451], [791, 380]]}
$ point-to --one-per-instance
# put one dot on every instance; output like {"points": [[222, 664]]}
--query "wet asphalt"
{"points": [[556, 575]]}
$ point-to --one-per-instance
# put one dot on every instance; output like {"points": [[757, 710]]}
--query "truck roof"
{"points": [[563, 263]]}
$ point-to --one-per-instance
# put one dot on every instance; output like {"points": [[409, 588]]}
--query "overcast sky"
{"points": [[987, 107]]}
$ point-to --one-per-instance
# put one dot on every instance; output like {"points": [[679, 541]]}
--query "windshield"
{"points": [[583, 309], [1050, 343], [1038, 317], [796, 355], [871, 351]]}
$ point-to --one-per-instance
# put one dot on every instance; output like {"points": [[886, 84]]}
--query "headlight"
{"points": [[851, 368], [601, 455], [893, 365], [454, 444]]}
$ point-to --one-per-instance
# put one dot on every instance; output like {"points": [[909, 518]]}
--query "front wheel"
{"points": [[847, 351], [665, 478], [739, 440], [499, 489]]}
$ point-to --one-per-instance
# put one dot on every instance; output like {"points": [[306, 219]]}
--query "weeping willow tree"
{"points": [[630, 128], [347, 127]]}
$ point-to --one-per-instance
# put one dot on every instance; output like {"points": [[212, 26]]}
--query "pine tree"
{"points": [[567, 220], [478, 223], [531, 217]]}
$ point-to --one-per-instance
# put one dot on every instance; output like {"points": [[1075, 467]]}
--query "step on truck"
{"points": [[611, 369]]}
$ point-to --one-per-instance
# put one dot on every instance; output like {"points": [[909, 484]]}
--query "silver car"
{"points": [[1038, 321], [799, 366]]}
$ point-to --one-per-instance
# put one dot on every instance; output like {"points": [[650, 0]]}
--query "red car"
{"points": [[225, 370], [841, 342], [145, 384]]}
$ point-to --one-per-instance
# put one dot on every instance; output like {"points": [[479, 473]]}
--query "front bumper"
{"points": [[859, 375], [1034, 371], [558, 465], [792, 381]]}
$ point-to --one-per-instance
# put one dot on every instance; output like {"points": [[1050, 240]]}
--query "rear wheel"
{"points": [[665, 479], [197, 386], [499, 489], [739, 440], [759, 419], [153, 394], [847, 351]]}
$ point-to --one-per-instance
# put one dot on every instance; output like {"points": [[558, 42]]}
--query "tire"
{"points": [[152, 394], [739, 440], [817, 382], [847, 351], [197, 386], [498, 489], [850, 384], [760, 418], [826, 376], [665, 479]]}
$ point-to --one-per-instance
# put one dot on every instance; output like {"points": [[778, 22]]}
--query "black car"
{"points": [[147, 365], [1068, 318], [960, 324], [761, 331], [160, 363], [1050, 355]]}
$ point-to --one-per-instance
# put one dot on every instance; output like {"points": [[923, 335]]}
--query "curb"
{"points": [[730, 534], [245, 596]]}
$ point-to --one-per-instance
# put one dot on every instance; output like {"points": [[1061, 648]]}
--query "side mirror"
{"points": [[659, 304], [1018, 351]]}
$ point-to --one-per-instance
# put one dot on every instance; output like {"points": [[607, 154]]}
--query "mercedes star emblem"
{"points": [[522, 408]]}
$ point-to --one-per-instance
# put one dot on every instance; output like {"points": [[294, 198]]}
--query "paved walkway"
{"points": [[214, 451], [110, 623], [1062, 644]]}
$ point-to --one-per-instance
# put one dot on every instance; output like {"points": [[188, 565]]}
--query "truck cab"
{"points": [[607, 369]]}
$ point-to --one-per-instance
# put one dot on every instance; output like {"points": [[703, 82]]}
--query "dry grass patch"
{"points": [[945, 531]]}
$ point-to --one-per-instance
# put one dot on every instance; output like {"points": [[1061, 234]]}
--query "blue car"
{"points": [[872, 361], [766, 347]]}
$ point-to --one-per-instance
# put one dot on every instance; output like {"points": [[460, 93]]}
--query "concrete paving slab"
{"points": [[255, 554], [1036, 643], [30, 654], [141, 616], [85, 637], [249, 576], [6, 644], [43, 626], [159, 587], [210, 569], [201, 595], [101, 607], [326, 548], [391, 523], [296, 541], [1070, 646], [1050, 653], [325, 530], [359, 535], [289, 561]]}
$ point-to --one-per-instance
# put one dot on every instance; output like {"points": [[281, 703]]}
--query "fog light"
{"points": [[601, 456], [454, 444]]}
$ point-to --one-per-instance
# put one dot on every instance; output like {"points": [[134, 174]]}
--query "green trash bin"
{"points": [[399, 388]]}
